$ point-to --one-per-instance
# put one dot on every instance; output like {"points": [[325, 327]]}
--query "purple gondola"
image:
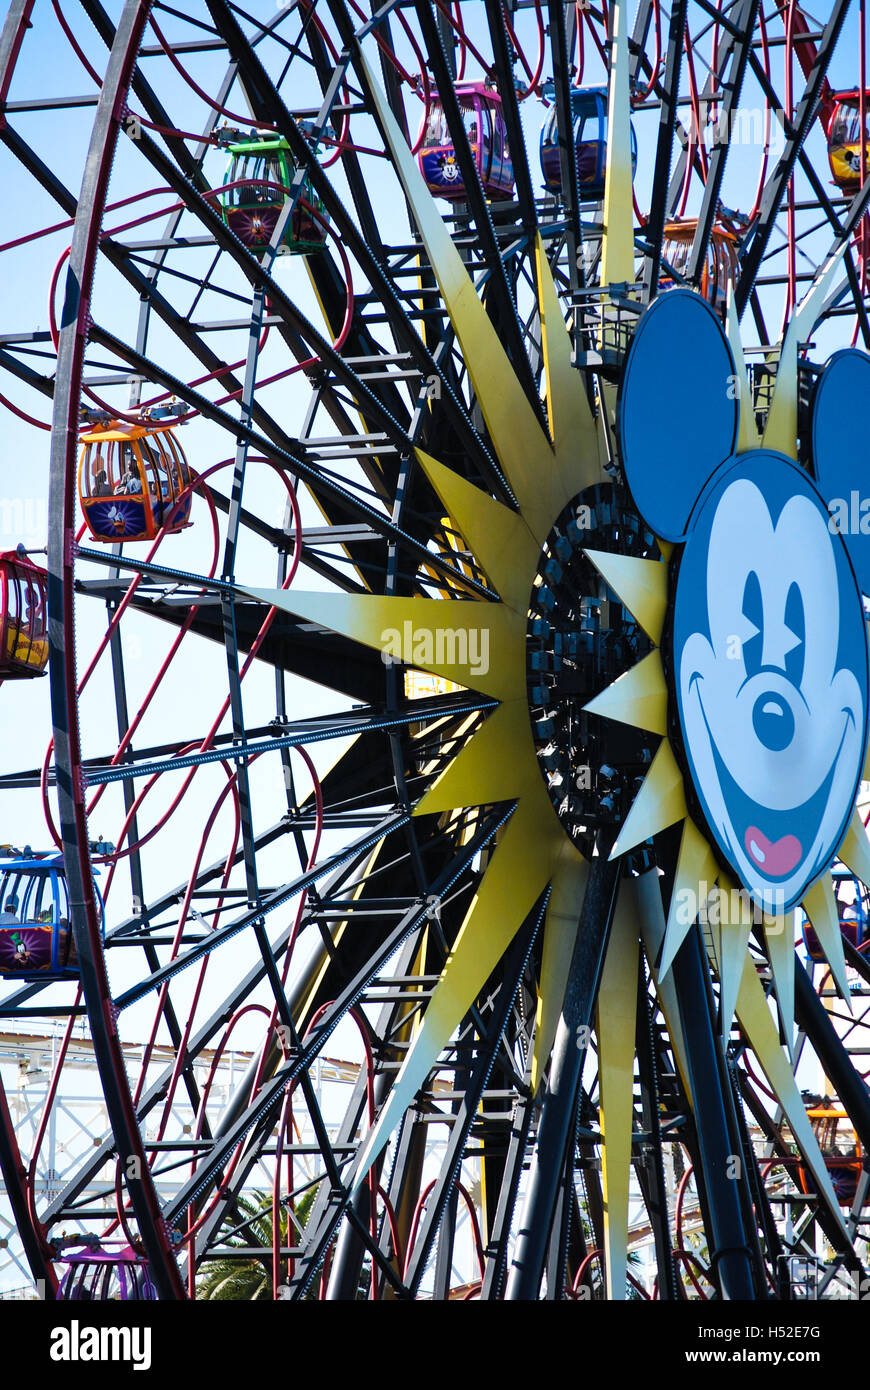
{"points": [[98, 1274], [487, 135]]}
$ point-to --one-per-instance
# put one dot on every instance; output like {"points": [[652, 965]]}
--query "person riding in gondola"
{"points": [[101, 486], [146, 473], [9, 915], [130, 482]]}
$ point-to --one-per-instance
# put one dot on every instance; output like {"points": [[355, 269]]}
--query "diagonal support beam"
{"points": [[745, 22], [777, 184], [655, 226]]}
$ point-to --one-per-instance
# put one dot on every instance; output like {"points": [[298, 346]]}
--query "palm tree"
{"points": [[250, 1279]]}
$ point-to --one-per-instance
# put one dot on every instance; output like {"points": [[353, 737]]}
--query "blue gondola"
{"points": [[589, 109], [36, 941]]}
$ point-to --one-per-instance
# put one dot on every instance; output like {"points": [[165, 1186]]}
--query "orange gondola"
{"points": [[720, 269], [133, 480], [23, 627], [841, 1150]]}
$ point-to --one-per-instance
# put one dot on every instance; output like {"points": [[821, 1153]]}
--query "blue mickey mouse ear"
{"points": [[678, 409], [840, 452]]}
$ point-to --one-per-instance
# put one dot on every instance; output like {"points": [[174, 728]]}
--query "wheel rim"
{"points": [[387, 498]]}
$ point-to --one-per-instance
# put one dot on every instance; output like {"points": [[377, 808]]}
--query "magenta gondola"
{"points": [[485, 126], [97, 1275]]}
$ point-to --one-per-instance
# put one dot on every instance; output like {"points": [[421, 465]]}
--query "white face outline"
{"points": [[773, 727]]}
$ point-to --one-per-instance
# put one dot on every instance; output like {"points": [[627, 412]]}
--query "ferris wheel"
{"points": [[430, 388]]}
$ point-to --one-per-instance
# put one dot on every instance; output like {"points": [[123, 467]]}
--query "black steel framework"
{"points": [[385, 900]]}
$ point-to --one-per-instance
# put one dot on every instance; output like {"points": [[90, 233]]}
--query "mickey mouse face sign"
{"points": [[768, 649]]}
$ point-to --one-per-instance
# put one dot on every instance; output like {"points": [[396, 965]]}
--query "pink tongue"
{"points": [[777, 858]]}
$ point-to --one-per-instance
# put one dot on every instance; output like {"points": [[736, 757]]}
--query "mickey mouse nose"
{"points": [[773, 722]]}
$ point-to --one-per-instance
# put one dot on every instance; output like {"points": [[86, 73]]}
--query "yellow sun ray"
{"points": [[523, 449], [572, 423], [659, 803], [497, 764], [652, 925], [517, 875], [757, 1024], [615, 1026], [779, 945], [821, 907], [639, 697], [732, 937], [855, 850], [782, 419], [499, 538], [424, 626], [617, 247], [747, 434], [560, 934], [696, 865], [642, 585]]}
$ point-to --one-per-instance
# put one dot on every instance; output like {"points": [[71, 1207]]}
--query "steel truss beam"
{"points": [[774, 190]]}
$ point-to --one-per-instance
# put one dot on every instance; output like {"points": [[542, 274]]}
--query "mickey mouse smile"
{"points": [[775, 851]]}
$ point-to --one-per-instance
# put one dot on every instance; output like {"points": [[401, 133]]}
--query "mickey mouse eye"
{"points": [[796, 624], [753, 613]]}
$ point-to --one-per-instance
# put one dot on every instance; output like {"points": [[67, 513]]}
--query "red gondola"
{"points": [[487, 135], [133, 480], [23, 629], [844, 140]]}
